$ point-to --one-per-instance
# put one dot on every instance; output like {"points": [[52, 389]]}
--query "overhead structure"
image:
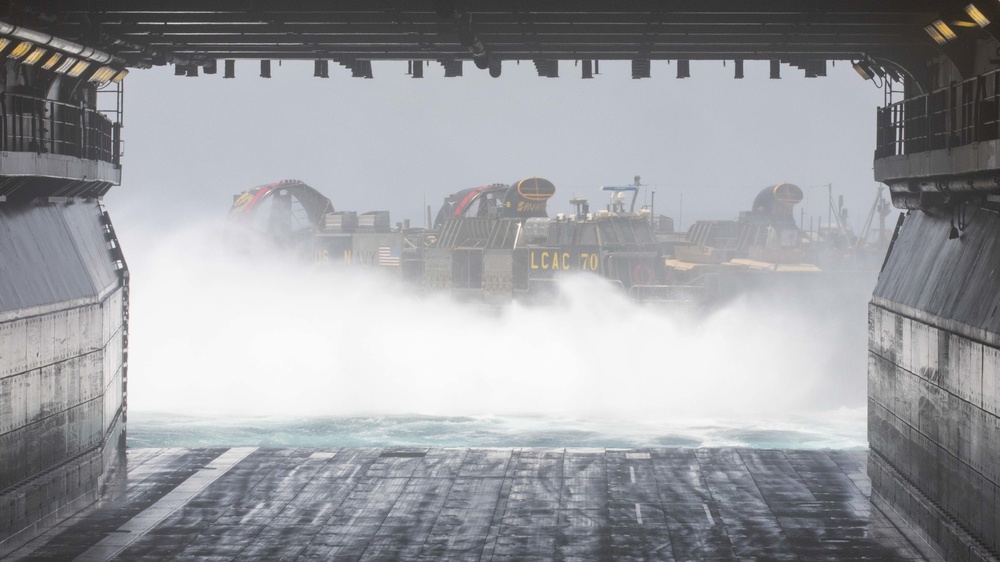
{"points": [[894, 34]]}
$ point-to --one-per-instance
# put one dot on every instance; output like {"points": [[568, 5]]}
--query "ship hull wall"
{"points": [[934, 382], [63, 340]]}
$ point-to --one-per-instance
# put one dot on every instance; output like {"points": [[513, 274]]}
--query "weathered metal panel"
{"points": [[934, 379], [953, 279], [83, 223], [437, 268], [42, 263], [13, 347], [60, 336], [58, 165], [923, 339], [112, 400], [969, 368], [467, 269], [498, 275], [991, 380], [904, 353], [61, 352]]}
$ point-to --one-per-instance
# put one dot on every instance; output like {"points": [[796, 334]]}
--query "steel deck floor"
{"points": [[482, 504]]}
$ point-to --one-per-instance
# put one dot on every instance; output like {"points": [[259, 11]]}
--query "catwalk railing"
{"points": [[960, 114], [29, 124]]}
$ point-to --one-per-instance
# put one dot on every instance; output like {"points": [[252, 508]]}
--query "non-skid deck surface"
{"points": [[482, 504]]}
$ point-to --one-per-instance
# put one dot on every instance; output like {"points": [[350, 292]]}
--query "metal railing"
{"points": [[960, 114], [29, 124]]}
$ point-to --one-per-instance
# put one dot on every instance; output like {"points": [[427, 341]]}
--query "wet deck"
{"points": [[482, 504]]}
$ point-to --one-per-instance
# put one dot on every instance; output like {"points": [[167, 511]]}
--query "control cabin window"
{"points": [[643, 232], [608, 236], [624, 228], [588, 235]]}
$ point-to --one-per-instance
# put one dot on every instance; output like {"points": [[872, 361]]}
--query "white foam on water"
{"points": [[220, 332]]}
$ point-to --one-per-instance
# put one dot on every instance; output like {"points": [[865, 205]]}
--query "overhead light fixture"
{"points": [[106, 73], [940, 32], [418, 69], [210, 67], [191, 71], [863, 69], [117, 79], [775, 69], [587, 70], [640, 68], [321, 69], [977, 16], [21, 49], [78, 68], [683, 68], [102, 75], [452, 68], [66, 65], [814, 68], [360, 68], [945, 31], [265, 69], [179, 70], [738, 72], [230, 69], [52, 61], [34, 56]]}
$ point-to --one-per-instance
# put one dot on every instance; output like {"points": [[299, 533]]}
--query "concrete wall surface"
{"points": [[934, 381], [62, 349]]}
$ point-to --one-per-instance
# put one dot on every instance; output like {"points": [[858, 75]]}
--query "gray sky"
{"points": [[387, 143]]}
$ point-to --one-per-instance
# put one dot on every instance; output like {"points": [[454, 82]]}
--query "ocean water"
{"points": [[233, 348], [839, 429]]}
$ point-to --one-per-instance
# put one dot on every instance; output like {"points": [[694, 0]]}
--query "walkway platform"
{"points": [[482, 504]]}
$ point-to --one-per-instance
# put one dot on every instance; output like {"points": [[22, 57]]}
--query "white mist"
{"points": [[222, 333]]}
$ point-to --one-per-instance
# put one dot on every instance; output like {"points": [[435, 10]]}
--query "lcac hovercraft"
{"points": [[497, 243], [493, 243]]}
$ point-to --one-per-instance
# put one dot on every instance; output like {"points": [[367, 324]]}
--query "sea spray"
{"points": [[221, 332]]}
